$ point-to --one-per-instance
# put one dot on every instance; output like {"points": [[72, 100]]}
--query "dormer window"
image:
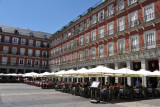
{"points": [[0, 29], [31, 34], [44, 36], [16, 32]]}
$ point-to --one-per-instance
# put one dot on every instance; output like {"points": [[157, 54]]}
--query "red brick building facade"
{"points": [[116, 33], [23, 50]]}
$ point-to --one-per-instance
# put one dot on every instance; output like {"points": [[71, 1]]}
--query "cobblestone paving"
{"points": [[22, 95]]}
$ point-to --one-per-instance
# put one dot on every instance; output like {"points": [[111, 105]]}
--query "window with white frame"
{"points": [[93, 52], [81, 26], [110, 28], [75, 56], [44, 54], [121, 24], [6, 39], [54, 51], [93, 35], [77, 29], [37, 53], [13, 61], [75, 42], [94, 19], [4, 60], [59, 61], [14, 50], [21, 61], [120, 5], [30, 52], [71, 44], [121, 46], [60, 49], [29, 62], [45, 44], [80, 55], [101, 15], [101, 32], [148, 12], [87, 22], [38, 43], [70, 57], [110, 10], [30, 42], [36, 63], [56, 61], [5, 49], [69, 33], [133, 19], [150, 39], [130, 2], [110, 48], [72, 31], [63, 47], [101, 51], [62, 59], [23, 41], [22, 51], [51, 52], [67, 45], [66, 58], [57, 50], [0, 38], [15, 40], [81, 40], [87, 37], [134, 43], [44, 63], [86, 53]]}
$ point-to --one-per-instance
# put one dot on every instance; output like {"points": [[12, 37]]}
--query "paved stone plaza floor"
{"points": [[22, 95]]}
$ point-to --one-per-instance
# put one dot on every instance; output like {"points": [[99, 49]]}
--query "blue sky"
{"points": [[41, 15]]}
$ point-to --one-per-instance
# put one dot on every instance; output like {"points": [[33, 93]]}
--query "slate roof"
{"points": [[25, 32]]}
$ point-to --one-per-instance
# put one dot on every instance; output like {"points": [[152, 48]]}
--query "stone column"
{"points": [[89, 67], [97, 79], [77, 80], [72, 80], [129, 79], [106, 78], [159, 63], [82, 80], [144, 65], [117, 66]]}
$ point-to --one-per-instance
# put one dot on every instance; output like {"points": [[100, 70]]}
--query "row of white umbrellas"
{"points": [[104, 71], [94, 72]]}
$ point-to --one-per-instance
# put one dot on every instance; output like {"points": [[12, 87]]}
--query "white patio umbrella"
{"points": [[99, 71], [1, 74], [32, 74], [143, 72], [154, 74], [45, 74], [11, 74]]}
